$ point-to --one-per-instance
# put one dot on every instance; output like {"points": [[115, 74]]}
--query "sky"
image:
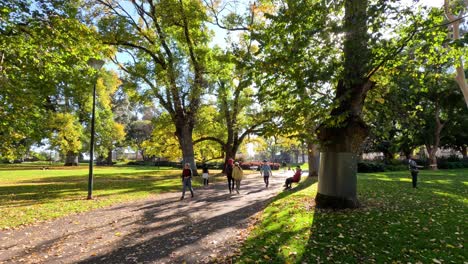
{"points": [[431, 2]]}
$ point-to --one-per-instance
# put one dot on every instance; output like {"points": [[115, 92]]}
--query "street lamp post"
{"points": [[96, 64]]}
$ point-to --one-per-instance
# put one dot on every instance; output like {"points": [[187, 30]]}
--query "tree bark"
{"points": [[341, 138], [109, 158], [432, 147], [456, 20], [184, 135], [464, 152], [432, 157], [313, 159], [71, 159]]}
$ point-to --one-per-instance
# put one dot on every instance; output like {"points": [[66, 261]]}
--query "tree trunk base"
{"points": [[337, 181], [332, 202]]}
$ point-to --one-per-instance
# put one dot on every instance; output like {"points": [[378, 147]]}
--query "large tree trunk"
{"points": [[313, 159], [337, 182], [184, 135], [71, 159], [455, 27], [432, 156], [303, 154], [463, 151], [432, 147], [109, 157]]}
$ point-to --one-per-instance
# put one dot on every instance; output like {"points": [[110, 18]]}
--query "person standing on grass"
{"points": [[238, 175], [228, 170], [265, 171], [205, 174], [186, 180], [413, 167]]}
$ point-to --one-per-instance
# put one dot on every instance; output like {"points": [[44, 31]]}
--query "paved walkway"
{"points": [[157, 230]]}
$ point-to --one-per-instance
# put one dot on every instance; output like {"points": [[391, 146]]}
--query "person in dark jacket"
{"points": [[186, 180], [413, 167], [228, 171]]}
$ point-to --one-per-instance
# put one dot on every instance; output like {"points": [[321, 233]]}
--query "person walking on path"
{"points": [[205, 174], [295, 178], [228, 170], [186, 180], [238, 175], [413, 167], [265, 171]]}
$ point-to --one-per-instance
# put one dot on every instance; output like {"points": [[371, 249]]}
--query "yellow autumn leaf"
{"points": [[380, 100]]}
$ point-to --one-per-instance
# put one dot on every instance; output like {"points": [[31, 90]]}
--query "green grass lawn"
{"points": [[397, 224], [29, 194]]}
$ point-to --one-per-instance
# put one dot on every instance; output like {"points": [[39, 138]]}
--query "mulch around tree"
{"points": [[160, 229]]}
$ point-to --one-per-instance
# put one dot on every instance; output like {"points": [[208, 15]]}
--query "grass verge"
{"points": [[33, 195], [397, 224]]}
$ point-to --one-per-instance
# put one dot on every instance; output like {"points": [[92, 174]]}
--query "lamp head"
{"points": [[95, 63]]}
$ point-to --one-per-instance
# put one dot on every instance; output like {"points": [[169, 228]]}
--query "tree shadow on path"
{"points": [[192, 230]]}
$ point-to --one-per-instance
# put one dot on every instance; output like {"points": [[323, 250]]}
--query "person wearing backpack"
{"points": [[237, 175], [228, 171], [265, 171]]}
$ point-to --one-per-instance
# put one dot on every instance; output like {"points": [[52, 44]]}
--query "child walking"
{"points": [[205, 174], [186, 180]]}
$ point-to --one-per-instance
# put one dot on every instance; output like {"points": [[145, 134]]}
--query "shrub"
{"points": [[400, 167], [366, 166]]}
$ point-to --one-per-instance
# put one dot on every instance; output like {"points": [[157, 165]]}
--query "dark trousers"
{"points": [[266, 180], [230, 183], [205, 182], [288, 182], [187, 183], [414, 175]]}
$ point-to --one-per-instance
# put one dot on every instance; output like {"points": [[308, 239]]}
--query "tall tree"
{"points": [[235, 101], [296, 65], [43, 55], [342, 136], [166, 43], [455, 11]]}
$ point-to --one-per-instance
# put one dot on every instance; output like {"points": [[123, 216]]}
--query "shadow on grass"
{"points": [[73, 187], [396, 224], [274, 233]]}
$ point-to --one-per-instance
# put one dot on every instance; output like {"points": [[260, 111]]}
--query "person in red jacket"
{"points": [[295, 178], [186, 180]]}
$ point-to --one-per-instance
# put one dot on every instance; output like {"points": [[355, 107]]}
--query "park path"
{"points": [[161, 229]]}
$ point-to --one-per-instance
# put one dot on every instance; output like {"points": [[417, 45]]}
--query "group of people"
{"points": [[235, 175], [233, 171]]}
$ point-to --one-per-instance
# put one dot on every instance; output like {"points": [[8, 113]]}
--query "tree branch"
{"points": [[217, 140]]}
